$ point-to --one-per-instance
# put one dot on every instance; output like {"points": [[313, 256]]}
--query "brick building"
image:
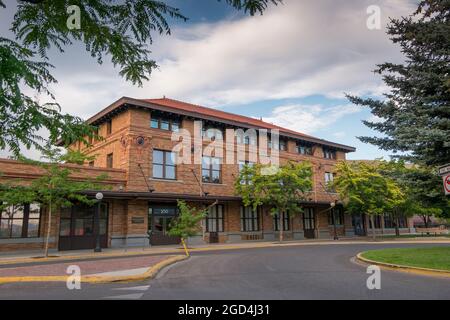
{"points": [[137, 155]]}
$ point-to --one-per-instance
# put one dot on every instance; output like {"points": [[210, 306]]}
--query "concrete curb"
{"points": [[406, 269], [149, 274]]}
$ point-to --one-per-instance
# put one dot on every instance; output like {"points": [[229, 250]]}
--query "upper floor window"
{"points": [[281, 145], [165, 124], [20, 221], [304, 149], [215, 219], [336, 215], [212, 133], [249, 219], [242, 165], [164, 166], [110, 161], [329, 154], [329, 179], [211, 170], [247, 139], [109, 127]]}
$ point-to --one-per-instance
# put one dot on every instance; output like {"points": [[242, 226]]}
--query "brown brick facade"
{"points": [[131, 144]]}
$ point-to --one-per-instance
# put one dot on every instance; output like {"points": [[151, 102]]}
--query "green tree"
{"points": [[365, 190], [283, 188], [187, 223], [54, 189], [422, 186], [122, 30], [415, 114]]}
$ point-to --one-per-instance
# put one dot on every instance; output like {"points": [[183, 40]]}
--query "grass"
{"points": [[433, 258], [408, 236]]}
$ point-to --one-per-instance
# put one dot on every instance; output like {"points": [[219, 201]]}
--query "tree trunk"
{"points": [[425, 221], [49, 226], [374, 235], [397, 230], [281, 216]]}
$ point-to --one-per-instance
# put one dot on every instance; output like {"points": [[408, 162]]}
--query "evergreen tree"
{"points": [[415, 116]]}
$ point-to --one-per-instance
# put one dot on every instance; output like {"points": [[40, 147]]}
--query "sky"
{"points": [[291, 67]]}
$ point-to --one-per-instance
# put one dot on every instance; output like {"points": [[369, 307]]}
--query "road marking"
{"points": [[141, 288], [133, 296]]}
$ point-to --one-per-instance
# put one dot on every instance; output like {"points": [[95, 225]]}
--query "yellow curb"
{"points": [[403, 268], [150, 273], [216, 248]]}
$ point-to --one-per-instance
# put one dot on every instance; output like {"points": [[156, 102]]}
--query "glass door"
{"points": [[309, 223], [160, 220]]}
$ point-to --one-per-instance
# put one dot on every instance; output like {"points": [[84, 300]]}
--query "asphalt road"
{"points": [[300, 272]]}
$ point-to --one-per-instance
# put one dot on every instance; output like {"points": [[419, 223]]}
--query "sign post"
{"points": [[445, 173]]}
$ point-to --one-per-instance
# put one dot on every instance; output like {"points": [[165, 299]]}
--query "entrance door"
{"points": [[76, 230], [309, 223], [359, 225], [160, 218]]}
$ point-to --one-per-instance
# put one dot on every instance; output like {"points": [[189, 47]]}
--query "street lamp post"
{"points": [[98, 247], [333, 212]]}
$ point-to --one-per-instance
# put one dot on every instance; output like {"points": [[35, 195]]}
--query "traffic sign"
{"points": [[447, 184], [444, 170]]}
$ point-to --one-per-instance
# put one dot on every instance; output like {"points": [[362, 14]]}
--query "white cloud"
{"points": [[295, 50], [309, 118]]}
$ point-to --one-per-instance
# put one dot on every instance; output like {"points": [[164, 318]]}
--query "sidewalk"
{"points": [[20, 259], [103, 271]]}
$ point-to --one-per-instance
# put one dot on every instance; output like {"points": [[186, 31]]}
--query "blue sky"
{"points": [[291, 66]]}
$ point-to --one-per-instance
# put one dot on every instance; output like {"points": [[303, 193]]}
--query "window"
{"points": [[281, 146], [215, 219], [336, 214], [377, 220], [249, 219], [164, 165], [329, 179], [304, 149], [109, 127], [78, 220], [165, 124], [110, 161], [329, 154], [242, 164], [309, 221], [390, 222], [91, 163], [211, 170], [277, 222], [20, 221], [212, 133]]}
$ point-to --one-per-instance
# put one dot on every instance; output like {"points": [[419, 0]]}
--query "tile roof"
{"points": [[201, 112], [171, 103]]}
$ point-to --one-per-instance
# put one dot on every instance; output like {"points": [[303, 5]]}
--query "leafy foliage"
{"points": [[121, 30], [252, 6], [365, 190], [280, 188], [21, 117], [422, 186], [415, 116], [54, 189], [187, 223]]}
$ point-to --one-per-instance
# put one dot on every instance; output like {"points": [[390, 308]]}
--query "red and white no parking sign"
{"points": [[447, 184]]}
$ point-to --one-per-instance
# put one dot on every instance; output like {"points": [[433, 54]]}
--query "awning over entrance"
{"points": [[124, 195]]}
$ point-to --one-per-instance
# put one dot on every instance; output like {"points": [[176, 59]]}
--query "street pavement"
{"points": [[283, 273]]}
